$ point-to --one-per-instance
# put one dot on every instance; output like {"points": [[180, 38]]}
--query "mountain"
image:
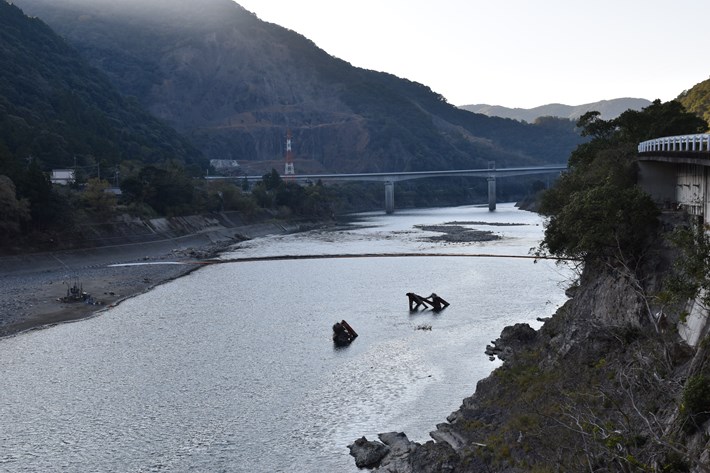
{"points": [[236, 86], [609, 109], [59, 110], [697, 99]]}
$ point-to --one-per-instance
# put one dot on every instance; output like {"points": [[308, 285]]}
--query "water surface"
{"points": [[232, 368]]}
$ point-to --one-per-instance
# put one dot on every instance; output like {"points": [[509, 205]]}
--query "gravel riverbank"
{"points": [[32, 285]]}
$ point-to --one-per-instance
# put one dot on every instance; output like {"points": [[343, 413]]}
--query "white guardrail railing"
{"points": [[684, 143]]}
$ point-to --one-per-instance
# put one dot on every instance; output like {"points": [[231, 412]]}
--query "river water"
{"points": [[232, 369]]}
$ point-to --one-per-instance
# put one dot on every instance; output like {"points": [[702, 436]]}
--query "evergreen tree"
{"points": [[596, 211], [13, 211]]}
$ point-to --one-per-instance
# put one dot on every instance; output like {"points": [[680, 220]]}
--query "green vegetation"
{"points": [[596, 212], [607, 401], [291, 199], [697, 100], [600, 407], [13, 212], [149, 192], [58, 112], [696, 401], [691, 266]]}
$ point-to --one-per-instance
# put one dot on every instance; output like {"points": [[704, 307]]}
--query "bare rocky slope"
{"points": [[605, 385]]}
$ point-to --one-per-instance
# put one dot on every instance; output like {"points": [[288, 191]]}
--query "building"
{"points": [[226, 167], [63, 177]]}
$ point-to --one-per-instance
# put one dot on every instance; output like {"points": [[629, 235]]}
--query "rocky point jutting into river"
{"points": [[607, 384]]}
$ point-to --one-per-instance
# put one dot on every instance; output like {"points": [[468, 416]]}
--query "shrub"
{"points": [[696, 401]]}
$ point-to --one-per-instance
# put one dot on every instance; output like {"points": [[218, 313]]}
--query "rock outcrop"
{"points": [[396, 453], [512, 339], [602, 386], [368, 454]]}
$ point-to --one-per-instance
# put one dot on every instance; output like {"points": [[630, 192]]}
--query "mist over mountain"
{"points": [[55, 108], [234, 85], [609, 109]]}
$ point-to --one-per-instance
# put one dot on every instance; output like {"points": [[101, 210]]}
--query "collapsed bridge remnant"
{"points": [[437, 303], [415, 300], [343, 333]]}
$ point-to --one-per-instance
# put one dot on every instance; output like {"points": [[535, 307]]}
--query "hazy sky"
{"points": [[517, 53]]}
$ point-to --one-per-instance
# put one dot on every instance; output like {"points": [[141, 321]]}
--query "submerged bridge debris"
{"points": [[343, 333], [437, 303]]}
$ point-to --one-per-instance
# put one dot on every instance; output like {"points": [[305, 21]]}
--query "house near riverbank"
{"points": [[63, 177]]}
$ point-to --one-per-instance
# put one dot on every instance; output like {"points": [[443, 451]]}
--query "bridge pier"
{"points": [[491, 193], [389, 197], [389, 178]]}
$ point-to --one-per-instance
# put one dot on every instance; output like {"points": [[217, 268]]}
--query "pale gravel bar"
{"points": [[31, 285]]}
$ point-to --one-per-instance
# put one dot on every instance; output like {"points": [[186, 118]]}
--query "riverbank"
{"points": [[605, 384], [32, 285]]}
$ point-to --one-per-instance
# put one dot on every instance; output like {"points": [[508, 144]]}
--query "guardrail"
{"points": [[684, 143]]}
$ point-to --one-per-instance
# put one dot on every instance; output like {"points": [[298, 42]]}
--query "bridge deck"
{"points": [[403, 176]]}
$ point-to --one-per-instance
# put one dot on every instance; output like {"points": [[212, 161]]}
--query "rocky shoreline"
{"points": [[599, 387]]}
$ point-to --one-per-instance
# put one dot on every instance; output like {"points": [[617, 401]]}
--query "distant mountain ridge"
{"points": [[609, 109], [235, 85]]}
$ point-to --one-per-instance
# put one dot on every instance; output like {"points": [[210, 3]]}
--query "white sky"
{"points": [[516, 53]]}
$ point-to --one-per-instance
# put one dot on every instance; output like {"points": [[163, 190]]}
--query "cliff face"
{"points": [[605, 385]]}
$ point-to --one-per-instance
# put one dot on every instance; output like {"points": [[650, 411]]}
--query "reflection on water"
{"points": [[232, 368]]}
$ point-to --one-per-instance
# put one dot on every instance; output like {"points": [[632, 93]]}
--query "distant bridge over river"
{"points": [[389, 178]]}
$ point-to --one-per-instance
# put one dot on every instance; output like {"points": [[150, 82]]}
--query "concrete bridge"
{"points": [[674, 171], [389, 178]]}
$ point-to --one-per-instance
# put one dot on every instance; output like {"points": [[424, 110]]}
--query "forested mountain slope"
{"points": [[235, 85], [60, 111]]}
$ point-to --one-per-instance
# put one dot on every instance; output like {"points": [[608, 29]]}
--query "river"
{"points": [[232, 367]]}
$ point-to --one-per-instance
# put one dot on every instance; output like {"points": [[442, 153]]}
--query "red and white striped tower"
{"points": [[288, 171]]}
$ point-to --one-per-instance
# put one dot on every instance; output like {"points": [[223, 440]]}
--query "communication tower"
{"points": [[289, 171]]}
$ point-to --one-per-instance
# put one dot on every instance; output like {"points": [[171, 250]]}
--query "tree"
{"points": [[13, 211], [97, 199], [603, 221], [592, 125], [167, 191], [272, 180], [35, 186], [656, 121], [697, 99], [596, 211]]}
